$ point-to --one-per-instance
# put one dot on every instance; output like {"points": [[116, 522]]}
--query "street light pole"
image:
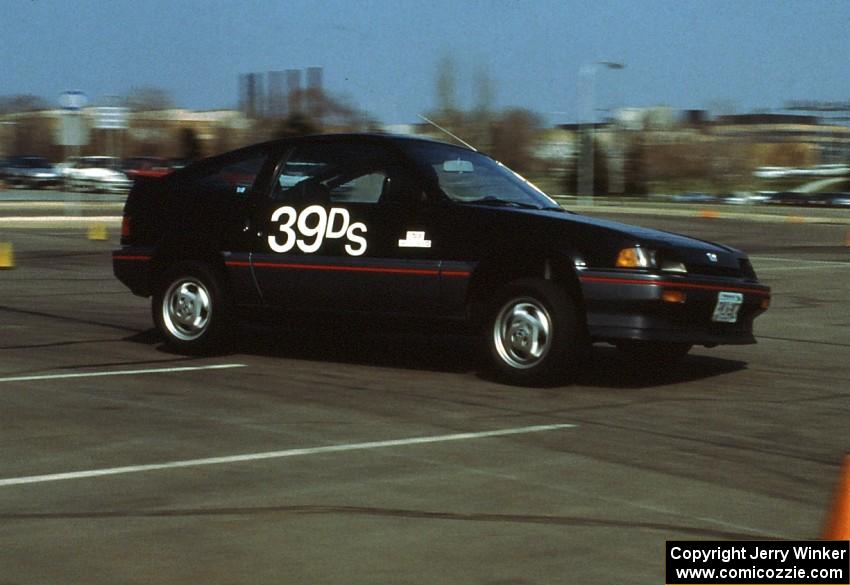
{"points": [[586, 83]]}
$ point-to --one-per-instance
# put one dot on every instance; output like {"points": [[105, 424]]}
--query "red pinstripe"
{"points": [[338, 268]]}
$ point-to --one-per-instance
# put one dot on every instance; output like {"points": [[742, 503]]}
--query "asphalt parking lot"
{"points": [[385, 457]]}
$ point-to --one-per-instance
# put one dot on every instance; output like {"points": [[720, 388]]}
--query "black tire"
{"points": [[653, 353], [533, 333], [191, 308]]}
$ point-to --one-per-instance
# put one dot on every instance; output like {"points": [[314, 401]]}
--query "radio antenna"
{"points": [[461, 140]]}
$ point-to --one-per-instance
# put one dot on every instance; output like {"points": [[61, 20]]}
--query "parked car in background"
{"points": [[745, 198], [839, 200], [697, 197], [30, 172], [836, 199], [790, 198], [62, 168], [146, 166], [832, 170], [99, 174], [772, 172]]}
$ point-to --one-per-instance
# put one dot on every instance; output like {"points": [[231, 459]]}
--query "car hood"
{"points": [[598, 241], [649, 236]]}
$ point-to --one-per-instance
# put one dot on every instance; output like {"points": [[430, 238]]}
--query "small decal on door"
{"points": [[414, 240]]}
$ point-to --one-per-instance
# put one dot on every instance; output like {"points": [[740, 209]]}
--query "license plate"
{"points": [[726, 309]]}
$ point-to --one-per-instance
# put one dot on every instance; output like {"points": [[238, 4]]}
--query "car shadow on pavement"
{"points": [[605, 367], [609, 368]]}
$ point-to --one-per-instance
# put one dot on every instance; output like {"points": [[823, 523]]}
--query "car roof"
{"points": [[282, 143], [360, 136]]}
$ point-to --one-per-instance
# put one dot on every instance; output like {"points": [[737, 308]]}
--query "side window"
{"points": [[365, 188], [324, 173], [295, 171], [235, 177]]}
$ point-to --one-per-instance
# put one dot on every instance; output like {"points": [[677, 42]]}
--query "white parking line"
{"points": [[119, 373], [792, 268], [24, 219], [281, 454], [793, 264]]}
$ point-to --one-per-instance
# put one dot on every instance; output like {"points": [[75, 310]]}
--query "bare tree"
{"points": [[482, 118], [485, 90], [323, 112], [446, 86], [190, 146], [13, 104], [297, 124], [514, 138]]}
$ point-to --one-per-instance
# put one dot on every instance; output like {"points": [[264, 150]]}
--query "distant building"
{"points": [[154, 132], [825, 143]]}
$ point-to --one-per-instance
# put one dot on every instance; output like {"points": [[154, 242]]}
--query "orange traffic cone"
{"points": [[838, 522]]}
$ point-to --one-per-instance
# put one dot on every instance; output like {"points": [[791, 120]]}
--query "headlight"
{"points": [[638, 257], [673, 266]]}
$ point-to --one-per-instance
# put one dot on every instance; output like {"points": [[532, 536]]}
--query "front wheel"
{"points": [[533, 333], [190, 308]]}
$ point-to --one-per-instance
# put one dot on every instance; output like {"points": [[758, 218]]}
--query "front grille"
{"points": [[708, 270], [744, 270]]}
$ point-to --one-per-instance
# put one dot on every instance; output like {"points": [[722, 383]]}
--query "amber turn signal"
{"points": [[634, 258], [673, 296]]}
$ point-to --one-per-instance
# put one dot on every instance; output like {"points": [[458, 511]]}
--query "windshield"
{"points": [[466, 176]]}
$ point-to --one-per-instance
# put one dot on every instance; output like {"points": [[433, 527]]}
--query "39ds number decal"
{"points": [[308, 229]]}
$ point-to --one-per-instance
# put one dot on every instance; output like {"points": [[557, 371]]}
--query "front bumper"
{"points": [[623, 305]]}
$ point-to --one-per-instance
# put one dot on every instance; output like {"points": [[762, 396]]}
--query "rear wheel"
{"points": [[191, 308], [533, 334]]}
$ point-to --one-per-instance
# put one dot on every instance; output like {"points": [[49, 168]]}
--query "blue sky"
{"points": [[382, 55]]}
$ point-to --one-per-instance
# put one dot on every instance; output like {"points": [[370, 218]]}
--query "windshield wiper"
{"points": [[494, 201]]}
